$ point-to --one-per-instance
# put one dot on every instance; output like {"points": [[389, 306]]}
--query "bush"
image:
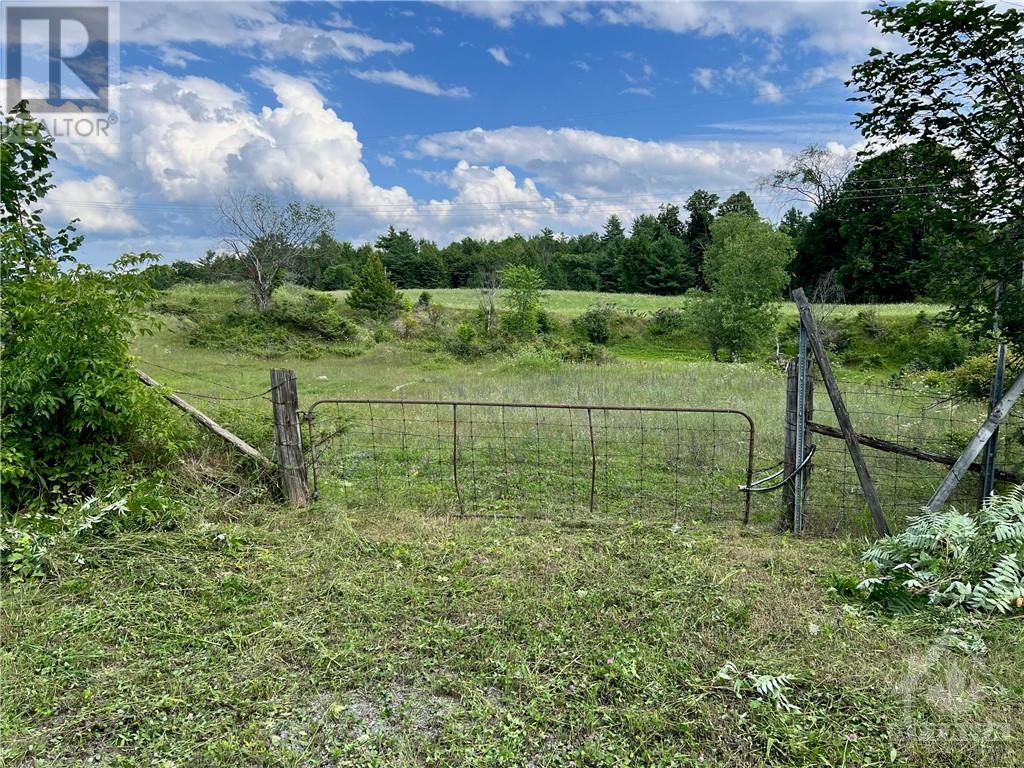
{"points": [[667, 320], [316, 314], [337, 277], [521, 287], [972, 379], [596, 323], [73, 408], [308, 326], [951, 559], [463, 343], [373, 293]]}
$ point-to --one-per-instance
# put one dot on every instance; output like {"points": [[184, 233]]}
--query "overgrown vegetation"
{"points": [[74, 413], [952, 559]]}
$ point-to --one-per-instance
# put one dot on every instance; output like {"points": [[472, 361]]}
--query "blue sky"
{"points": [[453, 119]]}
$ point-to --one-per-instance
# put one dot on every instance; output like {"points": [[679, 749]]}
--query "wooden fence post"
{"points": [[288, 436], [790, 460], [842, 415]]}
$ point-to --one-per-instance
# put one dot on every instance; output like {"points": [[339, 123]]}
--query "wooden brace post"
{"points": [[842, 415], [974, 447], [205, 421]]}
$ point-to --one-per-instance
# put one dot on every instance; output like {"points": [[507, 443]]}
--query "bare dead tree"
{"points": [[487, 283], [814, 175], [267, 237]]}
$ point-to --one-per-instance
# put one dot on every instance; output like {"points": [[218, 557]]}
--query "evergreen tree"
{"points": [[668, 218], [613, 241], [739, 202], [701, 205], [400, 255], [373, 293]]}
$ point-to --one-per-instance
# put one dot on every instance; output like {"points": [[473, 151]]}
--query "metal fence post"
{"points": [[988, 474], [801, 432]]}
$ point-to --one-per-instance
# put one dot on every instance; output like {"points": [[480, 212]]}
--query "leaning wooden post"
{"points": [[981, 437], [288, 436], [842, 415]]}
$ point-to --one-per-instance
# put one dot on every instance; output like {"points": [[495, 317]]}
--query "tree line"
{"points": [[879, 227]]}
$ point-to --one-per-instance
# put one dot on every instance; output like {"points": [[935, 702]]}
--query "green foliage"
{"points": [[739, 203], [521, 291], [73, 409], [951, 559], [972, 379], [464, 343], [373, 293], [309, 326], [954, 77], [745, 267], [597, 322]]}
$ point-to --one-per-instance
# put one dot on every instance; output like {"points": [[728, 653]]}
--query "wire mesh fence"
{"points": [[533, 459], [912, 419]]}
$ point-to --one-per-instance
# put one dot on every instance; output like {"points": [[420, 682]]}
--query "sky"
{"points": [[453, 119]]}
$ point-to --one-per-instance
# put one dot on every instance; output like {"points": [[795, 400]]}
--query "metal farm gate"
{"points": [[533, 459]]}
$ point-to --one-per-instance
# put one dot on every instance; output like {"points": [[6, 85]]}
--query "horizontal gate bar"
{"points": [[454, 405]]}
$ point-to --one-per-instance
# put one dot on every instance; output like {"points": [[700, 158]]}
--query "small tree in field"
{"points": [[267, 237], [746, 269], [522, 286], [373, 293]]}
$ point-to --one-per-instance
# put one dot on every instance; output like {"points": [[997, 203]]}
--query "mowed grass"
{"points": [[384, 634], [277, 637], [573, 303]]}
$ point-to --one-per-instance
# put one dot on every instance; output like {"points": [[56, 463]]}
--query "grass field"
{"points": [[573, 303], [383, 634]]}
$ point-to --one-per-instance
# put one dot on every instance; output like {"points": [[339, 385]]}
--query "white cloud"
{"points": [[258, 28], [187, 140], [637, 91], [386, 160], [419, 83], [589, 164], [704, 77], [506, 13], [499, 55], [769, 92], [98, 202], [832, 27], [766, 91], [582, 65]]}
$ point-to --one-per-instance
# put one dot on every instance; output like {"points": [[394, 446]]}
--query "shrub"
{"points": [[337, 277], [972, 379], [948, 558], [317, 314], [463, 343], [308, 327], [423, 301], [745, 267], [521, 287], [596, 323], [666, 320], [73, 409], [373, 293]]}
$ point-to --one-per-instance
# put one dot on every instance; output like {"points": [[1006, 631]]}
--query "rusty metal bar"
{"points": [[593, 460], [455, 456]]}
